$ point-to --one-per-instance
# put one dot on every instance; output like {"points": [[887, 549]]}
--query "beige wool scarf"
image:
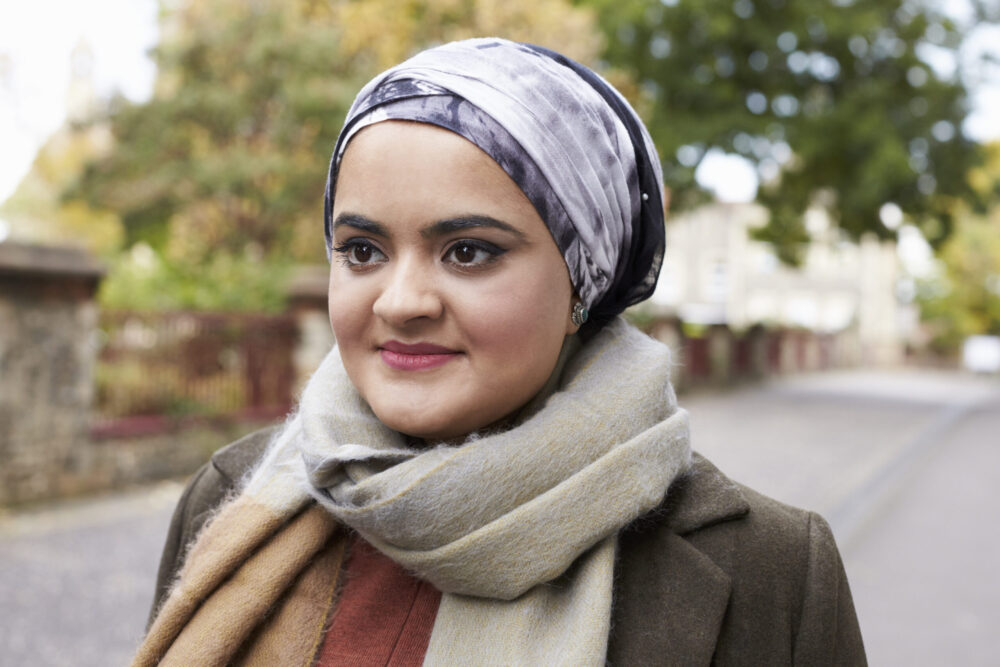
{"points": [[516, 528]]}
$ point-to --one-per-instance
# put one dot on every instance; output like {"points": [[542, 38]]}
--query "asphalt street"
{"points": [[903, 464], [76, 579], [924, 568]]}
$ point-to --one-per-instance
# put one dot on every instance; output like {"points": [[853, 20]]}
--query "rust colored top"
{"points": [[384, 615]]}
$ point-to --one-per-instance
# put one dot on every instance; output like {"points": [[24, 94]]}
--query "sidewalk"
{"points": [[76, 577]]}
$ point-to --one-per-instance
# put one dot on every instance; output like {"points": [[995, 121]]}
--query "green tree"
{"points": [[833, 101], [963, 298], [225, 166], [223, 157]]}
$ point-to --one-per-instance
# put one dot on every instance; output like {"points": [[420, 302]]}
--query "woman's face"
{"points": [[448, 296]]}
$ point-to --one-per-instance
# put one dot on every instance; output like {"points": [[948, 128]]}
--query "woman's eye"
{"points": [[359, 253], [467, 253]]}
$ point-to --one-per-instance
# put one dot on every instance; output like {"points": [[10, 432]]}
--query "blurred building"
{"points": [[714, 273]]}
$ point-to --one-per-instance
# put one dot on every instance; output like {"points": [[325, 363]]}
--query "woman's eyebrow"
{"points": [[450, 225], [360, 222]]}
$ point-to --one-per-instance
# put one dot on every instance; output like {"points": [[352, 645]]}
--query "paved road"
{"points": [[925, 567], [904, 465], [76, 580]]}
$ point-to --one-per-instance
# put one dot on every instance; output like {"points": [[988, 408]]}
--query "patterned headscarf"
{"points": [[571, 142]]}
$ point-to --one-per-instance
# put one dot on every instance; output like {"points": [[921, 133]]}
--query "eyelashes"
{"points": [[359, 253], [463, 254], [470, 253]]}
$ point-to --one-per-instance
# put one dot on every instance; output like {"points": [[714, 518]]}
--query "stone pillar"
{"points": [[812, 352], [788, 353], [720, 354], [756, 337], [307, 302], [48, 325]]}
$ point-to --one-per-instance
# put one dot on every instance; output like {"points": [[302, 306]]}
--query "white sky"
{"points": [[38, 36]]}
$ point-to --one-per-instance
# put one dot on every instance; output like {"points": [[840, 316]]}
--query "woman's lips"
{"points": [[415, 357]]}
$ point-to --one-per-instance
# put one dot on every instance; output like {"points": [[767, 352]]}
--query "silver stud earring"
{"points": [[580, 314]]}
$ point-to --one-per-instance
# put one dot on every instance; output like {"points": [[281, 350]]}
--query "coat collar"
{"points": [[703, 496], [671, 598]]}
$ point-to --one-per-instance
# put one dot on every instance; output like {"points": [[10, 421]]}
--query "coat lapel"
{"points": [[671, 598]]}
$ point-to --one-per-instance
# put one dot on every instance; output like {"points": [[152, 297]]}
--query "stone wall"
{"points": [[48, 320], [49, 446], [175, 451]]}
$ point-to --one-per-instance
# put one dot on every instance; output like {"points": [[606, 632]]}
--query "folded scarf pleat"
{"points": [[525, 547]]}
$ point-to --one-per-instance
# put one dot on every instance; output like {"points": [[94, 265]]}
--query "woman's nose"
{"points": [[409, 293]]}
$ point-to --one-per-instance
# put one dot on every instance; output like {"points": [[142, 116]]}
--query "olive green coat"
{"points": [[718, 574]]}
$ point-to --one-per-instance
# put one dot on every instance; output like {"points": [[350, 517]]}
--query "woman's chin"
{"points": [[430, 423], [430, 434]]}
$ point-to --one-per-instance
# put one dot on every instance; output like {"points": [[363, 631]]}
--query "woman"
{"points": [[491, 467]]}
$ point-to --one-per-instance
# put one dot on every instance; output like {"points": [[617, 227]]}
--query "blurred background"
{"points": [[831, 286]]}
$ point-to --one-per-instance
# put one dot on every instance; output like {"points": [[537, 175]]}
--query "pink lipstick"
{"points": [[416, 357]]}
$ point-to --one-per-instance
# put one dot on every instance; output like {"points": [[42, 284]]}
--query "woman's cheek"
{"points": [[519, 320], [349, 304]]}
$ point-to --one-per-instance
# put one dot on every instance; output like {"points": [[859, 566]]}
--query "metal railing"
{"points": [[164, 367]]}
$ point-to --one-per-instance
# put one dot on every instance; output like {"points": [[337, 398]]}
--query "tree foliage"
{"points": [[963, 298], [382, 33], [226, 164], [227, 155], [833, 101]]}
